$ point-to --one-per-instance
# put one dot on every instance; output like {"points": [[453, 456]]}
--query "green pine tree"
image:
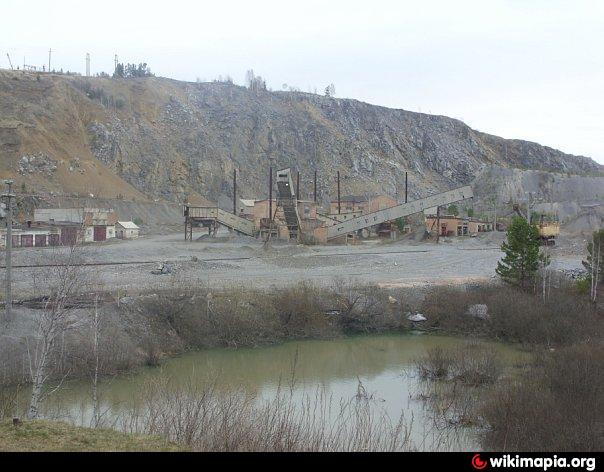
{"points": [[522, 256]]}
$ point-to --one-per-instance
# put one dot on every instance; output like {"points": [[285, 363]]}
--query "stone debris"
{"points": [[38, 163], [417, 318], [574, 274], [163, 269], [479, 310]]}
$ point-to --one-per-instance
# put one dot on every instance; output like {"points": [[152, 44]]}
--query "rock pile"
{"points": [[574, 274], [38, 163]]}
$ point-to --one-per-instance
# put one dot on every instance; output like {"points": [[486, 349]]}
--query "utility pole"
{"points": [[270, 195], [315, 190], [49, 56], [298, 186], [339, 200], [406, 181], [437, 224], [234, 191], [87, 64], [8, 302]]}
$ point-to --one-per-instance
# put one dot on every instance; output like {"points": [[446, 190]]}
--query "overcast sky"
{"points": [[519, 68]]}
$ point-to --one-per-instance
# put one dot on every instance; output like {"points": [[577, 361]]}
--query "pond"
{"points": [[381, 364]]}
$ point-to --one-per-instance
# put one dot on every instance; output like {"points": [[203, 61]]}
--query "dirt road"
{"points": [[245, 262]]}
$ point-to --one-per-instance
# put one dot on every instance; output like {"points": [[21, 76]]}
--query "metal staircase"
{"points": [[286, 199]]}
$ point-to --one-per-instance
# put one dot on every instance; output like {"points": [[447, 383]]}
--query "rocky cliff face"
{"points": [[166, 139]]}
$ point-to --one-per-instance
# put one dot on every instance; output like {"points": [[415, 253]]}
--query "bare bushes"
{"points": [[241, 319], [13, 356], [205, 419], [471, 364], [436, 365], [173, 320], [9, 401], [116, 350], [563, 319], [72, 353], [451, 377], [302, 313], [558, 405], [514, 315], [364, 309]]}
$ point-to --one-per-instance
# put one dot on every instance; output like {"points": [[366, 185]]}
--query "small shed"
{"points": [[127, 230]]}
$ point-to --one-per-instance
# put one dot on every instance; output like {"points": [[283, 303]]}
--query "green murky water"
{"points": [[384, 365]]}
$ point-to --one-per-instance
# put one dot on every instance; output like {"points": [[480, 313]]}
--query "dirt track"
{"points": [[245, 262]]}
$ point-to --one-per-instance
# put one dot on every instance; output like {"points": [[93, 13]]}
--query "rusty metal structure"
{"points": [[317, 228]]}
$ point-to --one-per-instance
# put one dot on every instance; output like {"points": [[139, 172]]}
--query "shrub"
{"points": [[558, 405], [514, 315], [436, 365], [472, 364], [583, 285]]}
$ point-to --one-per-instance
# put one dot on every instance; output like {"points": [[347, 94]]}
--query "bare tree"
{"points": [[62, 280], [95, 325], [254, 82], [596, 264]]}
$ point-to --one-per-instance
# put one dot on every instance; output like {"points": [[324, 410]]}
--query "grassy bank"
{"points": [[34, 436]]}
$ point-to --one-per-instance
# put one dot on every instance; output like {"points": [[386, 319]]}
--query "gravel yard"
{"points": [[246, 262]]}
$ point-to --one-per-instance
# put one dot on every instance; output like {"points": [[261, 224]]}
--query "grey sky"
{"points": [[518, 69]]}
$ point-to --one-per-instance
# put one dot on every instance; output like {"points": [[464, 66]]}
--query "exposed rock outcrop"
{"points": [[168, 139]]}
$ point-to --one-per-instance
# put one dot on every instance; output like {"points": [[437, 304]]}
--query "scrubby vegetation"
{"points": [[472, 365], [466, 386], [142, 330], [99, 94], [207, 419], [557, 404], [517, 316], [552, 403]]}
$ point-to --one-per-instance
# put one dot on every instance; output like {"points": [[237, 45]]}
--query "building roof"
{"points": [[127, 225], [247, 202], [361, 198], [353, 199], [71, 215]]}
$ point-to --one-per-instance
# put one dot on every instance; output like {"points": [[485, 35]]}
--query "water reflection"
{"points": [[335, 367]]}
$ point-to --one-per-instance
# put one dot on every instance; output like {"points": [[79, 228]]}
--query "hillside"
{"points": [[161, 139]]}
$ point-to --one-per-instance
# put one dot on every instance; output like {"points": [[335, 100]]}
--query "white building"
{"points": [[127, 230], [98, 224]]}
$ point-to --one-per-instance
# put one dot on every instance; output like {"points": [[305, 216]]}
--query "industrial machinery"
{"points": [[319, 228], [398, 211], [548, 230]]}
